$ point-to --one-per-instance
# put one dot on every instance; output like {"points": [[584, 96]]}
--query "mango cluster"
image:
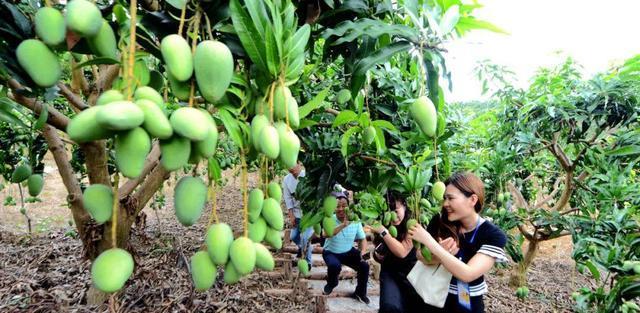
{"points": [[266, 220], [83, 18]]}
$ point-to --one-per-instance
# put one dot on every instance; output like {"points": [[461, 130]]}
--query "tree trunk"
{"points": [[518, 276]]}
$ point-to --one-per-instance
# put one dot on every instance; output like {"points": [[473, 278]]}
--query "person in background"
{"points": [[299, 236], [481, 243], [339, 250]]}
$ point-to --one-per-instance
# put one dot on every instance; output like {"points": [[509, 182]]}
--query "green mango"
{"points": [[328, 224], [203, 271], [258, 229], [219, 238], [343, 96], [289, 145], [98, 201], [386, 218], [213, 66], [425, 203], [190, 123], [243, 255], [50, 26], [256, 199], [21, 173], [84, 127], [148, 93], [272, 213], [207, 147], [189, 200], [175, 152], [394, 216], [329, 205], [177, 57], [264, 259], [131, 149], [104, 43], [411, 222], [39, 62], [231, 275], [273, 238], [119, 115], [155, 122], [281, 97], [293, 113], [141, 73], [437, 191], [393, 231], [317, 228], [181, 90], [257, 124], [303, 267], [426, 253], [84, 18], [369, 135], [109, 96], [274, 191], [424, 113], [269, 142], [111, 269], [35, 184]]}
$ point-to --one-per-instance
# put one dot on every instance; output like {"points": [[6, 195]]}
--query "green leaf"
{"points": [[593, 269], [307, 123], [315, 103], [379, 56], [249, 37], [42, 119], [8, 113], [349, 31], [624, 151], [213, 170], [344, 141], [467, 23], [345, 117], [258, 14], [384, 124], [232, 127], [273, 59], [298, 42], [310, 219], [450, 19], [381, 146], [97, 61]]}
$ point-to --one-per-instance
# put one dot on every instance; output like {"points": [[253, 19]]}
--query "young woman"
{"points": [[481, 244], [397, 257]]}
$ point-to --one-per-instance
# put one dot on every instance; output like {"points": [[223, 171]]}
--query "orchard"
{"points": [[143, 147]]}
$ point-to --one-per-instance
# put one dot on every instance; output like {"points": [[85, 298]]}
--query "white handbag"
{"points": [[431, 282]]}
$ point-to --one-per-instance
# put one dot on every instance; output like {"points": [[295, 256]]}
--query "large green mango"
{"points": [[293, 113], [258, 229], [437, 191], [264, 259], [177, 57], [256, 200], [83, 17], [50, 26], [132, 148], [149, 93], [272, 213], [203, 271], [289, 145], [207, 147], [21, 173], [329, 205], [98, 201], [120, 115], [231, 275], [257, 124], [104, 43], [35, 184], [109, 96], [369, 135], [281, 98], [189, 200], [218, 240], [274, 191], [180, 90], [213, 65], [190, 123], [328, 225], [424, 112], [243, 255], [273, 238], [175, 152], [39, 62], [111, 269], [303, 267], [269, 142], [84, 126], [343, 96], [155, 122]]}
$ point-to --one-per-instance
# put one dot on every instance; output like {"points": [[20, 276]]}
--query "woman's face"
{"points": [[340, 210], [457, 205], [400, 211]]}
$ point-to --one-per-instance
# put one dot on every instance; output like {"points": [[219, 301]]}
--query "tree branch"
{"points": [[553, 193], [108, 74], [332, 111], [558, 152], [567, 192], [154, 180], [96, 160], [517, 196], [55, 118], [72, 97], [152, 160], [527, 234]]}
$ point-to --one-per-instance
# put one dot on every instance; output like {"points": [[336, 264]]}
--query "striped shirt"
{"points": [[490, 240], [343, 241]]}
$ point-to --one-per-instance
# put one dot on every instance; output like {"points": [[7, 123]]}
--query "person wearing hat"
{"points": [[339, 250]]}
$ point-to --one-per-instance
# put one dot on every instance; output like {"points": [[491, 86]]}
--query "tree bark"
{"points": [[519, 275], [55, 118]]}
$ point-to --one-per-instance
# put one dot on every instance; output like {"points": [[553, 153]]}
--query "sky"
{"points": [[543, 33]]}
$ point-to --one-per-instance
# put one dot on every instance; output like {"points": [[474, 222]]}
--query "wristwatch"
{"points": [[383, 233]]}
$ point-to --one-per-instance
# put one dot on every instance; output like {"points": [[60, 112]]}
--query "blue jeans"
{"points": [[301, 239], [352, 259]]}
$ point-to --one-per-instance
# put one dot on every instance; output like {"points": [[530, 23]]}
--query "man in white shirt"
{"points": [[298, 236]]}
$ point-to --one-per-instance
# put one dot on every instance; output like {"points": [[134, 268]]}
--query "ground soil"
{"points": [[43, 271]]}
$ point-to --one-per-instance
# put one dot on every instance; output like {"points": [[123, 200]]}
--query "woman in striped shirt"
{"points": [[481, 243]]}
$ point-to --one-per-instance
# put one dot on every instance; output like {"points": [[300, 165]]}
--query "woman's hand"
{"points": [[376, 228], [450, 245], [418, 233]]}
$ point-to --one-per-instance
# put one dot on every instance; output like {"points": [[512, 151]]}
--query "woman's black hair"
{"points": [[392, 197]]}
